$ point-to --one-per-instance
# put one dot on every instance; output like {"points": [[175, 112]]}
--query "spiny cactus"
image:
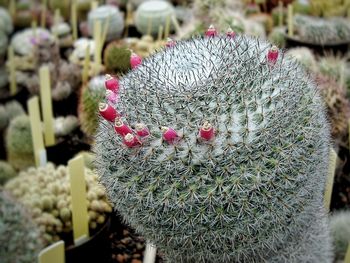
{"points": [[117, 59], [6, 172], [154, 14], [6, 25], [217, 151], [334, 67], [277, 36], [340, 229], [65, 125], [46, 192], [8, 112], [19, 143], [19, 236], [90, 96], [304, 56]]}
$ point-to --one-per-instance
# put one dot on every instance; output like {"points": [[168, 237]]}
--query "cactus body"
{"points": [[254, 192], [340, 230], [6, 172]]}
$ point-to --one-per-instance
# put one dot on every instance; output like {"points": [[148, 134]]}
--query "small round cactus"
{"points": [[304, 56], [6, 25], [340, 230], [20, 237], [277, 36], [6, 172], [117, 59], [90, 97], [251, 189], [103, 13], [65, 125], [19, 144], [154, 14], [46, 192]]}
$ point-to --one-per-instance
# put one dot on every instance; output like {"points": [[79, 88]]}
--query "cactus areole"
{"points": [[251, 193]]}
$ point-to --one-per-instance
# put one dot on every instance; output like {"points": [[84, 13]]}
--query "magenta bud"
{"points": [[230, 33], [211, 32], [121, 128], [131, 140], [272, 55], [170, 43], [107, 112], [111, 96], [207, 132], [112, 83], [141, 130], [169, 134], [135, 60]]}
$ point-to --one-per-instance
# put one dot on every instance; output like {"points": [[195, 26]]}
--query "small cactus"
{"points": [[20, 237], [249, 191], [19, 144], [65, 125], [6, 25], [117, 59], [340, 230], [6, 172], [304, 56]]}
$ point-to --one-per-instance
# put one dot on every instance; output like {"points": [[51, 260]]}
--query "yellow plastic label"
{"points": [[53, 253], [330, 179], [12, 69]]}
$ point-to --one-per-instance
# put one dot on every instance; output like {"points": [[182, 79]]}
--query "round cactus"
{"points": [[154, 14], [90, 97], [6, 172], [103, 13], [117, 59], [277, 36], [304, 56], [235, 162], [340, 230], [46, 192], [19, 144], [19, 236], [6, 25], [3, 43]]}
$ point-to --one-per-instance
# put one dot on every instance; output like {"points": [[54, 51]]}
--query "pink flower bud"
{"points": [[135, 60], [108, 112], [131, 140], [141, 130], [121, 128], [170, 43], [206, 132], [272, 55], [211, 32], [169, 134], [111, 96], [230, 33], [112, 83]]}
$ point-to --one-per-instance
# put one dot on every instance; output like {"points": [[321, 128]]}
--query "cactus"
{"points": [[304, 56], [6, 25], [103, 13], [117, 59], [46, 192], [8, 112], [90, 96], [277, 36], [320, 30], [340, 229], [237, 172], [19, 144], [20, 237], [6, 172], [329, 8], [3, 43], [153, 14], [65, 125], [333, 67]]}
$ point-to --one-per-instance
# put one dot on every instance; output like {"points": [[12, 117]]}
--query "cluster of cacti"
{"points": [[340, 229], [65, 125], [117, 59], [152, 14], [20, 236], [320, 30], [6, 172], [46, 192], [107, 14], [304, 56], [217, 151], [338, 107], [90, 96], [329, 8], [9, 111], [19, 144]]}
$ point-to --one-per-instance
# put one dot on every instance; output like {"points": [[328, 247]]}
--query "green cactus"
{"points": [[90, 97], [46, 192], [254, 192], [19, 236], [19, 144], [304, 56], [103, 13], [340, 229], [8, 112], [154, 13], [65, 125], [334, 67], [6, 25], [117, 59], [6, 172], [278, 36]]}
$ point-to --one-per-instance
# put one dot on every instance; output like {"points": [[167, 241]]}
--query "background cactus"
{"points": [[277, 36], [19, 144], [6, 172], [158, 12], [46, 192], [117, 59], [6, 25], [9, 111], [254, 193], [116, 20], [20, 237], [65, 125], [90, 96], [304, 56], [340, 230]]}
